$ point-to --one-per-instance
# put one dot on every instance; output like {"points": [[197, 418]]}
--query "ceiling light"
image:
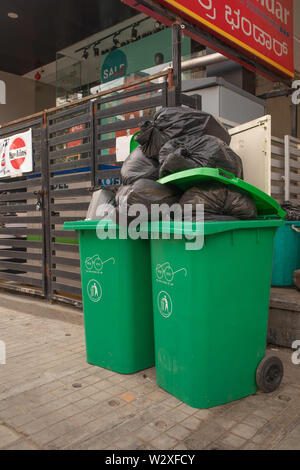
{"points": [[96, 51], [116, 41], [134, 33], [85, 54], [12, 15]]}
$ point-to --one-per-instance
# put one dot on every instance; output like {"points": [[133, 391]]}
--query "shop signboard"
{"points": [[16, 155], [260, 29], [114, 66]]}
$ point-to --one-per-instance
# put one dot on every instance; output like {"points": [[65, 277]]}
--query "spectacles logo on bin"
{"points": [[166, 274], [95, 264], [165, 304], [94, 291]]}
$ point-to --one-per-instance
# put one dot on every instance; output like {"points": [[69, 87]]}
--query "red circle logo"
{"points": [[17, 153]]}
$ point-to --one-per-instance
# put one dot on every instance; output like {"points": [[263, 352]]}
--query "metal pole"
{"points": [[287, 151], [294, 121], [175, 93], [46, 210]]}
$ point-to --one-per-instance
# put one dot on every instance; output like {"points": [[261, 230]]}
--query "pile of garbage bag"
{"points": [[179, 139], [221, 202], [149, 194], [137, 166], [189, 152], [170, 123], [292, 211]]}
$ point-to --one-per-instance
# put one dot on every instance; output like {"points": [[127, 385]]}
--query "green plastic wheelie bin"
{"points": [[117, 298], [211, 305], [286, 254]]}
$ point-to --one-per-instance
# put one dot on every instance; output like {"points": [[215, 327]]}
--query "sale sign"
{"points": [[16, 155], [263, 29]]}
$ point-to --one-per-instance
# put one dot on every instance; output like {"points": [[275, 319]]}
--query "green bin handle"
{"points": [[133, 143], [227, 173], [296, 229]]}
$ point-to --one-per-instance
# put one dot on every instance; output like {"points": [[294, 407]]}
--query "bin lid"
{"points": [[90, 225], [265, 204], [209, 228]]}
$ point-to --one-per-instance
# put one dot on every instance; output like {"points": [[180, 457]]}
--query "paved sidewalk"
{"points": [[51, 399]]}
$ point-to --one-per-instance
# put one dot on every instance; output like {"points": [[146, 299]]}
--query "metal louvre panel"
{"points": [[21, 245]]}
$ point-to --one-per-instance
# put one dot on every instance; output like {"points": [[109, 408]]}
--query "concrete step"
{"points": [[40, 307], [284, 317]]}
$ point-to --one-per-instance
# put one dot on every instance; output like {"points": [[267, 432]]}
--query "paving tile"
{"points": [[7, 436], [164, 442], [22, 445], [244, 430], [203, 414], [204, 436], [191, 423], [179, 432], [42, 438], [187, 409], [225, 422], [148, 433], [250, 446], [234, 441], [255, 421], [93, 443]]}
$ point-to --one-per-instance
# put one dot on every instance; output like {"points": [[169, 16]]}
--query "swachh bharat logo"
{"points": [[165, 304], [94, 291]]}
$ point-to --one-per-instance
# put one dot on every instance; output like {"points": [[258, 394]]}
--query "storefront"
{"points": [[103, 44]]}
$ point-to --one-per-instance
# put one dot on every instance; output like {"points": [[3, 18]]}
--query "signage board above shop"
{"points": [[114, 66], [257, 29]]}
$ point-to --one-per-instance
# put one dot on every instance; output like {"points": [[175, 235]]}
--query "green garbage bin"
{"points": [[286, 254], [211, 306], [117, 298]]}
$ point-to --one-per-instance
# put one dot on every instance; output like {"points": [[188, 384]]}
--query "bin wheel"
{"points": [[269, 374]]}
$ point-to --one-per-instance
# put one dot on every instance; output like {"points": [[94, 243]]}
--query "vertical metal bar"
{"points": [[198, 102], [46, 268], [287, 173], [294, 120], [93, 137], [175, 92], [164, 96]]}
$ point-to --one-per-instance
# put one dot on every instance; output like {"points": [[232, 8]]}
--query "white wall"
{"points": [[24, 97], [20, 97]]}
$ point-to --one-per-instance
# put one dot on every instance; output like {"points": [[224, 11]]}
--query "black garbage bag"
{"points": [[102, 205], [220, 201], [147, 193], [192, 151], [292, 211], [170, 123], [137, 166]]}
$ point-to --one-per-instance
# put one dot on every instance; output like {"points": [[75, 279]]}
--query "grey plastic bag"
{"points": [[193, 151], [220, 201], [170, 123], [138, 166]]}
